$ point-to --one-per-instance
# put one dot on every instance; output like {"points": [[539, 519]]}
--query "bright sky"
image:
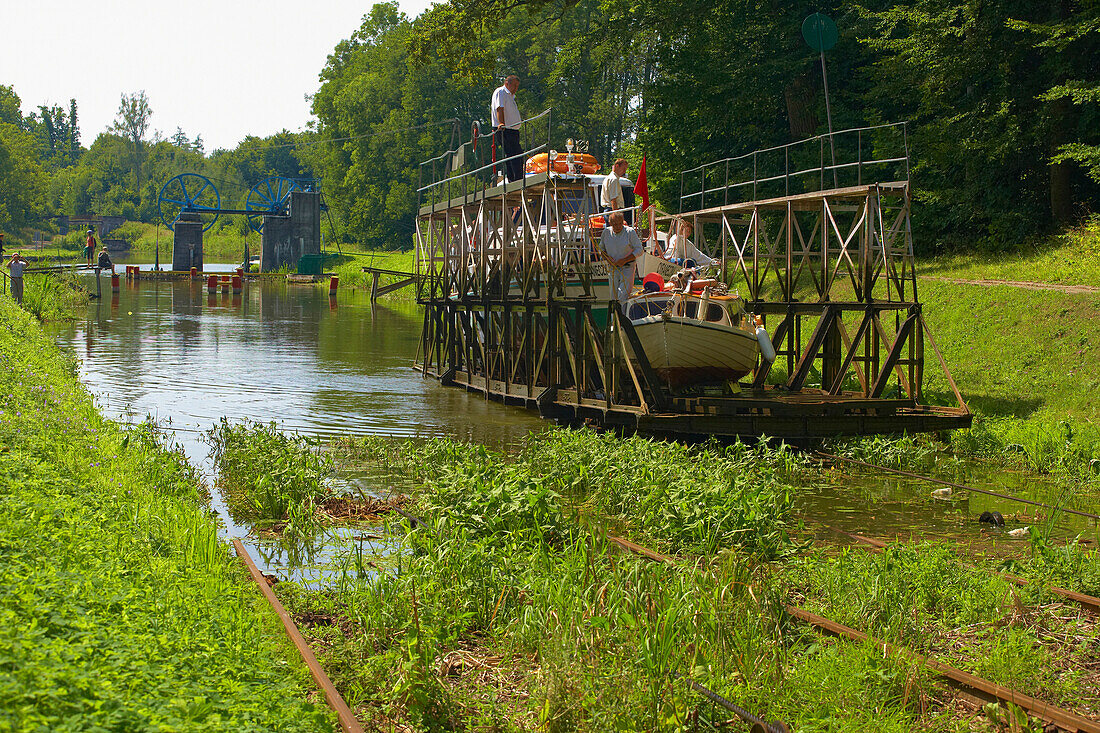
{"points": [[220, 69]]}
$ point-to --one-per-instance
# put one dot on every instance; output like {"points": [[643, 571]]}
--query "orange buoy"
{"points": [[582, 163]]}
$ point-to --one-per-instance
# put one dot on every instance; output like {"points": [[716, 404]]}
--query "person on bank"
{"points": [[611, 193], [621, 247], [89, 246], [506, 122], [104, 261], [17, 264]]}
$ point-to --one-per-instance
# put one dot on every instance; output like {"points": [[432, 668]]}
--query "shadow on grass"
{"points": [[987, 405]]}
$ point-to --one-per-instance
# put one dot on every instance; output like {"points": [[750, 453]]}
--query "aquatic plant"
{"points": [[54, 297], [267, 475]]}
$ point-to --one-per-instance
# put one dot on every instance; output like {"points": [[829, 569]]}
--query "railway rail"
{"points": [[1090, 603], [968, 684]]}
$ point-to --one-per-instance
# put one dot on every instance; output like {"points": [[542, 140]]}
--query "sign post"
{"points": [[820, 34]]}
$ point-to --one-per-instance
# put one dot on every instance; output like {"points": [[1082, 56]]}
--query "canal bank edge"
{"points": [[121, 608]]}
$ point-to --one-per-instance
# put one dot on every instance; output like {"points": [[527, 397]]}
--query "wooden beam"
{"points": [[895, 353], [802, 368]]}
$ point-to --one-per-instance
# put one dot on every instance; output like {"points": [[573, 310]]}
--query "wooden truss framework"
{"points": [[512, 310], [834, 273]]}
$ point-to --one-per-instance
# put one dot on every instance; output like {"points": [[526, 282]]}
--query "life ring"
{"points": [[475, 134], [588, 164]]}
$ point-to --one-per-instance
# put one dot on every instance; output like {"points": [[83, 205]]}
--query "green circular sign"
{"points": [[819, 31]]}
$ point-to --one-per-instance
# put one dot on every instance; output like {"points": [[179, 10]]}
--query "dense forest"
{"points": [[1002, 100]]}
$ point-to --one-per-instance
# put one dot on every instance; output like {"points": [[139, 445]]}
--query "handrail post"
{"points": [[821, 164], [703, 190], [905, 142], [859, 157], [726, 188], [786, 171]]}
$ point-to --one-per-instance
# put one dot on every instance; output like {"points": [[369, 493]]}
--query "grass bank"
{"points": [[1070, 258], [120, 608], [1027, 361]]}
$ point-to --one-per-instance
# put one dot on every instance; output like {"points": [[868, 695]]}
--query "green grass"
{"points": [[1027, 364], [513, 611], [1070, 258], [121, 610], [349, 267], [54, 296]]}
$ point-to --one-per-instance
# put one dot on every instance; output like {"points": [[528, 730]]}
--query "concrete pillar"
{"points": [[187, 243], [305, 222], [274, 242], [286, 238]]}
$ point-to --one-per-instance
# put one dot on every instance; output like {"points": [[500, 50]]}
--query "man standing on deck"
{"points": [[611, 193], [621, 247], [89, 246], [506, 122]]}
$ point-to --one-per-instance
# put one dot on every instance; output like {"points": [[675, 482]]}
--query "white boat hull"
{"points": [[685, 351]]}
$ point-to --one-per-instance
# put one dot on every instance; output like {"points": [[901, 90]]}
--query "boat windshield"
{"points": [[647, 307]]}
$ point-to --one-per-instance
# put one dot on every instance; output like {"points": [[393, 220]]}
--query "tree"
{"points": [[1069, 44], [179, 139], [74, 132], [10, 111], [23, 181], [132, 124]]}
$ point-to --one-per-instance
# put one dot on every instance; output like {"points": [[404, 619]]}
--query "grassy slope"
{"points": [[1072, 258], [1026, 360], [120, 609]]}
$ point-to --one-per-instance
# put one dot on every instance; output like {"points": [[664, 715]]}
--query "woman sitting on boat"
{"points": [[680, 247]]}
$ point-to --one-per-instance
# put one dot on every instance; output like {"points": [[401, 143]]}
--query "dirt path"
{"points": [[1061, 288]]}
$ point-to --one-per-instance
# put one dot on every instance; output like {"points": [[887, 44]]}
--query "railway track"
{"points": [[970, 685], [1090, 603]]}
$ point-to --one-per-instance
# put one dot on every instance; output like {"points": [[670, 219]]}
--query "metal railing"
{"points": [[449, 176], [857, 156]]}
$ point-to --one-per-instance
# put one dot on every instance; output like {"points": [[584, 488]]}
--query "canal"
{"points": [[286, 353]]}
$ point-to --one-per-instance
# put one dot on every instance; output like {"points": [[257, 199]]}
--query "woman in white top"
{"points": [[680, 247]]}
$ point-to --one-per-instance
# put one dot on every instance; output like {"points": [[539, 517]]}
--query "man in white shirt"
{"points": [[611, 193], [506, 121], [621, 247], [17, 264]]}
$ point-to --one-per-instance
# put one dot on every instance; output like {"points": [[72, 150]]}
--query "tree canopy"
{"points": [[1002, 100]]}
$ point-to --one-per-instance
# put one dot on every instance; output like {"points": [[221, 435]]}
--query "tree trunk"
{"points": [[800, 94], [1061, 181]]}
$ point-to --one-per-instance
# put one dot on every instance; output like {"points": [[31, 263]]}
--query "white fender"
{"points": [[767, 351]]}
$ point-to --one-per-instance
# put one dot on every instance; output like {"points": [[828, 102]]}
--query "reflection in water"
{"points": [[277, 352]]}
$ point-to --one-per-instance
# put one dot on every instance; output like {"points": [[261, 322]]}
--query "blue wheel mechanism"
{"points": [[270, 196], [189, 193]]}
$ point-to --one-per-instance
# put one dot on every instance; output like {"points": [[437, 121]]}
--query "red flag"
{"points": [[641, 188]]}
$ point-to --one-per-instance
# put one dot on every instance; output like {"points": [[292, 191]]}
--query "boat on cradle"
{"points": [[697, 334]]}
